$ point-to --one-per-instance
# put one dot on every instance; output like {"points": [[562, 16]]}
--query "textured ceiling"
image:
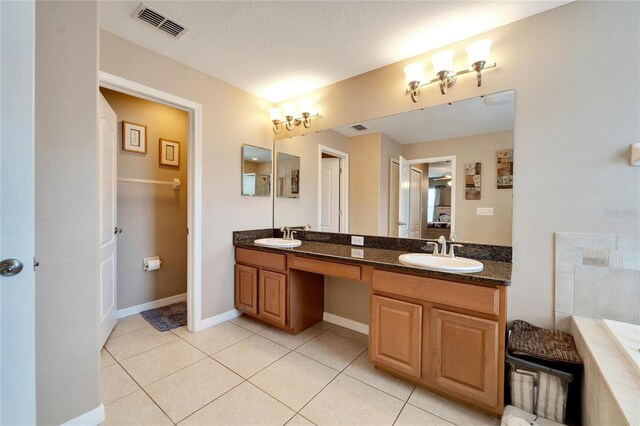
{"points": [[464, 118], [276, 50]]}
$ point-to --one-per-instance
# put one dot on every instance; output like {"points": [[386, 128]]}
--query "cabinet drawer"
{"points": [[333, 269], [465, 296], [262, 259]]}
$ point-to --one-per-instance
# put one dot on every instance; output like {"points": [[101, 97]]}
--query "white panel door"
{"points": [[108, 137], [415, 218], [404, 196], [394, 181], [330, 196], [17, 211]]}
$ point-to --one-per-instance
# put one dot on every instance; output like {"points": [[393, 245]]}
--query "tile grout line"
{"points": [[324, 387], [215, 399], [145, 392]]}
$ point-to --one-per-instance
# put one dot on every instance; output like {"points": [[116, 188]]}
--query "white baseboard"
{"points": [[90, 418], [346, 323], [151, 305], [217, 319]]}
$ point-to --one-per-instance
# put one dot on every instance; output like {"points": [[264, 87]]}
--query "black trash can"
{"points": [[544, 373]]}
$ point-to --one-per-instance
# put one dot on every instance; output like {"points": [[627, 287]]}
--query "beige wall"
{"points": [[154, 217], [389, 148], [494, 229], [66, 228], [364, 184], [304, 210], [231, 117], [573, 128]]}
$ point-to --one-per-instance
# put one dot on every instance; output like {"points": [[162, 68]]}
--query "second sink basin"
{"points": [[277, 242], [439, 263]]}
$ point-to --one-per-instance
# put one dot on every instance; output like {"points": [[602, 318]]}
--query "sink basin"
{"points": [[277, 242], [438, 263]]}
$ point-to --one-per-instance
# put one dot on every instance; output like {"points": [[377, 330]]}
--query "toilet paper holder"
{"points": [[151, 263]]}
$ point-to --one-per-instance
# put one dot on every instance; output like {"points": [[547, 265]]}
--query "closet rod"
{"points": [[176, 182]]}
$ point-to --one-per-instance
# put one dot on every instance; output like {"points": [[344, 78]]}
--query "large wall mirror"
{"points": [[256, 171], [445, 170]]}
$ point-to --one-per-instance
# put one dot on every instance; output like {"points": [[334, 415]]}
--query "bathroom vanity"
{"points": [[444, 331]]}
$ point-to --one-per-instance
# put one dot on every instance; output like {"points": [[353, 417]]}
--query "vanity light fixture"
{"points": [[291, 119], [478, 54]]}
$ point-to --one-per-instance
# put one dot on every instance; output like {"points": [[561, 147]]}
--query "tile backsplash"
{"points": [[597, 276]]}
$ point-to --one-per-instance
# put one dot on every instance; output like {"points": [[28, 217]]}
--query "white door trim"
{"points": [[344, 186], [392, 224], [194, 215], [454, 182]]}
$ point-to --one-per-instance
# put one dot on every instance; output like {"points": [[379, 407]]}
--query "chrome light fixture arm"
{"points": [[446, 79]]}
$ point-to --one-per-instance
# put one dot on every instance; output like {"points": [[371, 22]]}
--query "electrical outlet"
{"points": [[484, 211], [357, 253], [357, 241]]}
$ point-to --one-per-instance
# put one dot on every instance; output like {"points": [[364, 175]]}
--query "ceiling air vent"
{"points": [[159, 20], [359, 127]]}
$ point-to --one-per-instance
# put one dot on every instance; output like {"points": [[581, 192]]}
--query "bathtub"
{"points": [[627, 338], [611, 382]]}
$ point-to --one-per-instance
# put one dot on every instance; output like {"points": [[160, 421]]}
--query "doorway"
{"points": [[193, 191], [333, 190], [422, 197]]}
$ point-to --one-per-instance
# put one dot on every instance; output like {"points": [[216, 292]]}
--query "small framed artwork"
{"points": [[505, 168], [134, 137], [169, 153], [295, 181], [472, 172]]}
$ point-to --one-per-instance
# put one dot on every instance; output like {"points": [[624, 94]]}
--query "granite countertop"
{"points": [[494, 273]]}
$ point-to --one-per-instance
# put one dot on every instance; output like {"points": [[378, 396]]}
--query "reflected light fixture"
{"points": [[291, 119], [478, 54]]}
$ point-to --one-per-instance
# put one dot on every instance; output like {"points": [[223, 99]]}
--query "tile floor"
{"points": [[242, 372]]}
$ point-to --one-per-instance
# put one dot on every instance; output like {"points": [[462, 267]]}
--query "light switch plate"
{"points": [[484, 211], [357, 253], [357, 241]]}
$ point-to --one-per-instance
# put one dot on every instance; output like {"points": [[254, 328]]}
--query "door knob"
{"points": [[117, 230], [10, 267]]}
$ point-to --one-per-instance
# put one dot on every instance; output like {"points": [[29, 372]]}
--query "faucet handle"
{"points": [[452, 246], [431, 243], [292, 234]]}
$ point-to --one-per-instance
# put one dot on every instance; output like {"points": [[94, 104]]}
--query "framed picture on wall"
{"points": [[472, 172], [169, 153], [295, 181], [134, 137]]}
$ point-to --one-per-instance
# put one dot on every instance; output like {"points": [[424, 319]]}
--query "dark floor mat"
{"points": [[167, 317]]}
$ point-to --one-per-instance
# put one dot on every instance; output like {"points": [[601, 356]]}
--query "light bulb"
{"points": [[289, 110], [275, 114], [414, 72], [442, 61], [305, 106], [478, 51]]}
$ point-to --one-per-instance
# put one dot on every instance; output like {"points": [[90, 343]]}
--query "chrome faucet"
{"points": [[442, 240], [286, 233], [442, 243], [289, 232]]}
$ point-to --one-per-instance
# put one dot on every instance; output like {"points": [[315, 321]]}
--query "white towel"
{"points": [[511, 412], [522, 390], [552, 398]]}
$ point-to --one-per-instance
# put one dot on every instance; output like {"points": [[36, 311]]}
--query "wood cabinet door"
{"points": [[246, 289], [272, 290], [396, 335], [464, 356]]}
